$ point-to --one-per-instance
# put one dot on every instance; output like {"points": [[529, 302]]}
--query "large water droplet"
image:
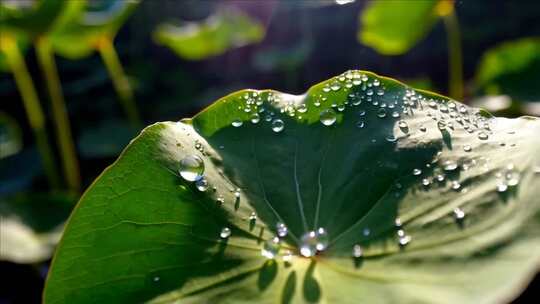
{"points": [[191, 168], [225, 233], [282, 230], [271, 248], [403, 126], [278, 125], [328, 117], [450, 165]]}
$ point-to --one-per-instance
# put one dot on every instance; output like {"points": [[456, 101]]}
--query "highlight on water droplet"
{"points": [[282, 230], [278, 125], [225, 233], [237, 123], [459, 214], [255, 118], [357, 251], [191, 168], [270, 248], [417, 171], [327, 117], [201, 184]]}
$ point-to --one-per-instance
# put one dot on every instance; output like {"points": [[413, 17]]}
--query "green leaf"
{"points": [[511, 68], [11, 140], [83, 24], [219, 33], [31, 225], [392, 27], [470, 234]]}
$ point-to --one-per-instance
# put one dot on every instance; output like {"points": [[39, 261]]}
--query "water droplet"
{"points": [[439, 177], [220, 200], [156, 279], [450, 165], [459, 214], [366, 231], [313, 241], [278, 125], [502, 186], [255, 118], [423, 128], [271, 248], [282, 230], [483, 135], [237, 123], [467, 148], [191, 168], [403, 126], [357, 251], [381, 113], [512, 176], [253, 216], [360, 124], [287, 256], [328, 117], [302, 108], [362, 113], [417, 171], [335, 86], [376, 82], [455, 185], [398, 223], [403, 239], [391, 138], [426, 182], [201, 184], [225, 233], [395, 114]]}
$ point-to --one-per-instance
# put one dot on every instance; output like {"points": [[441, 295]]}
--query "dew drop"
{"points": [[459, 214], [287, 256], [366, 231], [255, 118], [313, 242], [237, 123], [403, 126], [156, 279], [450, 165], [455, 185], [357, 251], [253, 216], [483, 135], [191, 168], [417, 171], [381, 113], [271, 248], [360, 124], [201, 184], [502, 187], [391, 138], [278, 125], [327, 117], [302, 108], [467, 148], [282, 230], [404, 239], [220, 200], [225, 233], [426, 182]]}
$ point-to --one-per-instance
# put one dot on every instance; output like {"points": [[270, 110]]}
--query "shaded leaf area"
{"points": [[227, 29], [31, 225], [392, 27], [439, 197], [512, 69], [83, 24]]}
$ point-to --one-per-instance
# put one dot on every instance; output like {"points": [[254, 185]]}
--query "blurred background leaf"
{"points": [[226, 29], [392, 27], [10, 136], [32, 224], [511, 68]]}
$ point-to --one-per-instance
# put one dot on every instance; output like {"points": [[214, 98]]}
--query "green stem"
{"points": [[119, 79], [61, 119], [455, 62], [32, 107]]}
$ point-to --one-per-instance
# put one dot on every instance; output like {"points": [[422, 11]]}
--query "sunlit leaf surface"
{"points": [[379, 193], [215, 35]]}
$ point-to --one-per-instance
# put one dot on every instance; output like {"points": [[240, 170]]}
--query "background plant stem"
{"points": [[61, 119], [119, 79], [32, 107], [455, 62]]}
